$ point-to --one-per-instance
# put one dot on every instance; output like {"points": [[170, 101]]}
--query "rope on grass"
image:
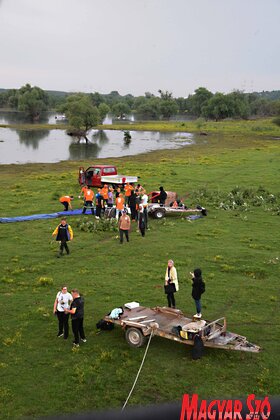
{"points": [[142, 363]]}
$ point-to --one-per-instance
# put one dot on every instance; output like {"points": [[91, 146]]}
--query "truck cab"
{"points": [[92, 175]]}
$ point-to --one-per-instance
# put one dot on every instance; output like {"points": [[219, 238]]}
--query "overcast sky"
{"points": [[138, 46]]}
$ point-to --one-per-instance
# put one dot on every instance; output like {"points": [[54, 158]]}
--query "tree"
{"points": [[220, 106], [32, 101], [149, 107], [96, 99], [182, 104], [240, 104], [197, 101], [168, 107], [103, 110], [120, 109], [81, 114], [165, 94]]}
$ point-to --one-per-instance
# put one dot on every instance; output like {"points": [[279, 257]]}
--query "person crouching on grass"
{"points": [[64, 233], [66, 201]]}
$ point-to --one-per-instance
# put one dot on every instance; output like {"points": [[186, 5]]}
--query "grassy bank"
{"points": [[237, 250]]}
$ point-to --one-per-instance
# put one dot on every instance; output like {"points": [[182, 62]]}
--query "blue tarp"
{"points": [[76, 212]]}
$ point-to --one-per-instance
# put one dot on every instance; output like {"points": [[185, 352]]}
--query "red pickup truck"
{"points": [[98, 175]]}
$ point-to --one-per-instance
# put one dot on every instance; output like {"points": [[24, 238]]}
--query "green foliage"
{"points": [[127, 136], [198, 100], [96, 225], [32, 101], [81, 114], [120, 109], [168, 107], [45, 281], [218, 107], [147, 107], [239, 198], [276, 121], [200, 123], [103, 110]]}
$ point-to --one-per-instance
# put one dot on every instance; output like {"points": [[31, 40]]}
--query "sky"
{"points": [[138, 46]]}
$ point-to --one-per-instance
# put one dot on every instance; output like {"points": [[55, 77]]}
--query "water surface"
{"points": [[48, 146]]}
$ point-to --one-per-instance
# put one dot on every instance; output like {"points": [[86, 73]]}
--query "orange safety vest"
{"points": [[84, 190], [119, 203], [89, 195], [65, 198], [104, 192], [128, 188]]}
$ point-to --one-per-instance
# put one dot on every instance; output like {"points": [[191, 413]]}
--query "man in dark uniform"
{"points": [[64, 233], [77, 316]]}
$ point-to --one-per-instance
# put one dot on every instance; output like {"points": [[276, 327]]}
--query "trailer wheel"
{"points": [[159, 213], [135, 337]]}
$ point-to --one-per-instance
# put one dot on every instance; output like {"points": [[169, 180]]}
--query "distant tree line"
{"points": [[202, 103]]}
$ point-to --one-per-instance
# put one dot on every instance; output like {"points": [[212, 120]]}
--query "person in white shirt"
{"points": [[144, 202], [62, 301]]}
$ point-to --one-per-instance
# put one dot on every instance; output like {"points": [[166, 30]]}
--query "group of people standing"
{"points": [[66, 304], [171, 286], [134, 197]]}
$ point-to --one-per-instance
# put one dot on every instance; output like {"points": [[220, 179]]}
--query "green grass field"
{"points": [[237, 250]]}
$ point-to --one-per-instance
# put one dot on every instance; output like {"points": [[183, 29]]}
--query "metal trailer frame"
{"points": [[140, 322], [158, 211]]}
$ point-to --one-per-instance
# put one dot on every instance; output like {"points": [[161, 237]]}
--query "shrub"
{"points": [[96, 225], [45, 281]]}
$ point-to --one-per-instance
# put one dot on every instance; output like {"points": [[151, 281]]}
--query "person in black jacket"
{"points": [[162, 196], [198, 287], [77, 315], [132, 205]]}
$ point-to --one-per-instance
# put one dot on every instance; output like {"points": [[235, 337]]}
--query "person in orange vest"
{"points": [[89, 196], [104, 193], [83, 191], [128, 188], [66, 201], [119, 205]]}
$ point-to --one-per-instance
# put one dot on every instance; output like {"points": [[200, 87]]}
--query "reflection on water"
{"points": [[83, 151], [16, 117], [31, 138], [100, 136], [22, 146]]}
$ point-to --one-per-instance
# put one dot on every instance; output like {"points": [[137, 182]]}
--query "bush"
{"points": [[45, 281], [276, 121], [97, 225], [238, 199]]}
